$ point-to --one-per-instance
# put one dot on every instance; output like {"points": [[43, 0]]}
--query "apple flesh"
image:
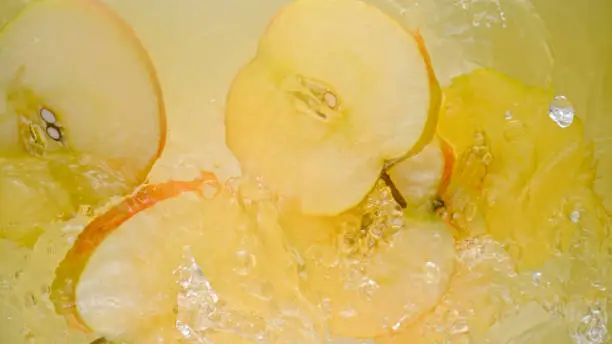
{"points": [[127, 277], [336, 90], [518, 176], [372, 268], [79, 93], [480, 263], [422, 179], [71, 268]]}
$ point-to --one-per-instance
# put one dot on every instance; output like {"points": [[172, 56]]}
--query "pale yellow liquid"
{"points": [[198, 45]]}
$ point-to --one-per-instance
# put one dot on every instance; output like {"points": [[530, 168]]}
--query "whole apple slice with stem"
{"points": [[372, 269], [481, 262], [79, 95], [336, 91]]}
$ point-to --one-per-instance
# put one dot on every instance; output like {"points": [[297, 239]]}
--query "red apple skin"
{"points": [[67, 274], [435, 99]]}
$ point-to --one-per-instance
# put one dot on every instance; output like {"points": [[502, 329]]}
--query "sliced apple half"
{"points": [[518, 175], [79, 91], [336, 90], [372, 269]]}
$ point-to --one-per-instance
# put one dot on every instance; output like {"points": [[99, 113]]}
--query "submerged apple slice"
{"points": [[373, 269], [478, 292], [69, 272], [335, 91], [78, 89], [169, 259], [519, 175]]}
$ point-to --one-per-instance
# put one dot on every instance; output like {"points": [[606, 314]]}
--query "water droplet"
{"points": [[536, 278], [592, 328], [508, 115], [561, 111]]}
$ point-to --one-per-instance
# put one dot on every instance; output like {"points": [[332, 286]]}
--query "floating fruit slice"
{"points": [[100, 233], [476, 297], [168, 261], [421, 179], [372, 268], [336, 90], [528, 178], [78, 91]]}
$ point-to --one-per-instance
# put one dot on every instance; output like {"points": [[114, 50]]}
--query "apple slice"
{"points": [[79, 91], [168, 260], [71, 268], [372, 269], [478, 293], [519, 175], [421, 179], [336, 90]]}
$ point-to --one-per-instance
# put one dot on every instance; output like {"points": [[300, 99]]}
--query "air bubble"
{"points": [[561, 111], [592, 328], [537, 278]]}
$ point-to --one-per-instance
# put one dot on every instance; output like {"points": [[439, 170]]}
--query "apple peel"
{"points": [[69, 270]]}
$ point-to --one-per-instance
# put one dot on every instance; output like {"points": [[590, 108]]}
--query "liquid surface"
{"points": [[563, 49]]}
